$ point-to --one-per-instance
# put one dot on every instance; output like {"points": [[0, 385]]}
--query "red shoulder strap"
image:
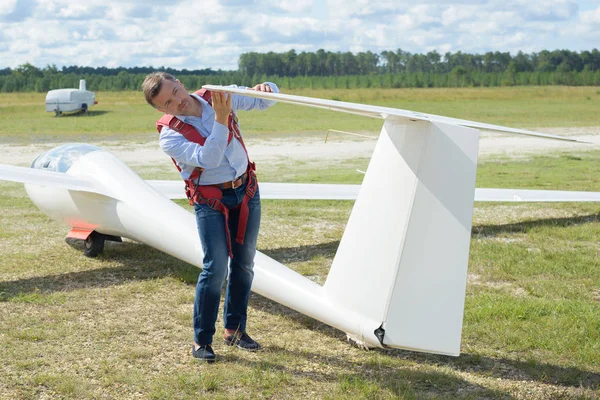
{"points": [[232, 123], [191, 134], [187, 130], [205, 94]]}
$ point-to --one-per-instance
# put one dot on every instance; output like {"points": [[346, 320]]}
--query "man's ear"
{"points": [[180, 84]]}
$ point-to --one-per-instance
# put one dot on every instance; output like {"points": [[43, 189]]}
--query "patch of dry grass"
{"points": [[119, 326]]}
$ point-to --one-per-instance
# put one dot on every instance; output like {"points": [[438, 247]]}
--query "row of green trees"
{"points": [[326, 63], [336, 70], [457, 78]]}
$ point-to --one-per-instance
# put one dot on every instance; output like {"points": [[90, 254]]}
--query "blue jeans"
{"points": [[211, 227]]}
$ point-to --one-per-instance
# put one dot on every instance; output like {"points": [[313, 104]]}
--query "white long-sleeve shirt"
{"points": [[221, 162]]}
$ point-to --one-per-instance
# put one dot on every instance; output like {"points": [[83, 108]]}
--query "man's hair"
{"points": [[152, 83]]}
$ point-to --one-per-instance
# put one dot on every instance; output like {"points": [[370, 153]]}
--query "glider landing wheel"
{"points": [[94, 244]]}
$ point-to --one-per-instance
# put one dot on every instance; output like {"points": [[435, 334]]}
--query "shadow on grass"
{"points": [[523, 227], [90, 113], [137, 263], [516, 370], [358, 379], [288, 255], [308, 252], [530, 370]]}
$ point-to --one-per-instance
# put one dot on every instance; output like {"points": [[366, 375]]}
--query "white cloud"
{"points": [[591, 17], [587, 26], [213, 33], [291, 5], [455, 14], [547, 9], [72, 10], [130, 33], [7, 6]]}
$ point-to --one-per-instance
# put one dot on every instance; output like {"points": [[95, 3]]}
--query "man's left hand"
{"points": [[263, 87]]}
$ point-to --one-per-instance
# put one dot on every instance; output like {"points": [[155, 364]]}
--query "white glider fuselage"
{"points": [[398, 278], [124, 205]]}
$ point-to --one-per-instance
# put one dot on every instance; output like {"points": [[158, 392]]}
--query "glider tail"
{"points": [[403, 257]]}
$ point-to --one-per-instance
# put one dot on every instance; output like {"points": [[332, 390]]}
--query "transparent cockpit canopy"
{"points": [[61, 158]]}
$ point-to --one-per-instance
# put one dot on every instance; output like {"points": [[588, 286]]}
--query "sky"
{"points": [[198, 34]]}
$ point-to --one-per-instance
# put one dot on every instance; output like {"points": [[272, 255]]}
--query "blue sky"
{"points": [[198, 34]]}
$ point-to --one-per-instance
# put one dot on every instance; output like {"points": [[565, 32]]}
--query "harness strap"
{"points": [[193, 191], [251, 187]]}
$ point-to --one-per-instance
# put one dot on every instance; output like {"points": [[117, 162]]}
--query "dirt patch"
{"points": [[314, 147], [518, 145]]}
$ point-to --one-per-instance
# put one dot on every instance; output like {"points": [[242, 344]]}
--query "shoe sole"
{"points": [[241, 347], [207, 360]]}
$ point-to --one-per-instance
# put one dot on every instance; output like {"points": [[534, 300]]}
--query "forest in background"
{"points": [[332, 70]]}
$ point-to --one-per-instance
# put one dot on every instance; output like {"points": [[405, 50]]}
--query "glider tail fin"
{"points": [[403, 257]]}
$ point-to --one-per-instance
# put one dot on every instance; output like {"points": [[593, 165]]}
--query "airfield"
{"points": [[337, 147], [119, 326]]}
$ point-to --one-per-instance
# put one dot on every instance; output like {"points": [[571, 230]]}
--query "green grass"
{"points": [[559, 170], [119, 326], [126, 114]]}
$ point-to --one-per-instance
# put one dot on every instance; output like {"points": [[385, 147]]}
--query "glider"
{"points": [[404, 289]]}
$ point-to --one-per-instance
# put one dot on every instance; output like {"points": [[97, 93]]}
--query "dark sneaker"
{"points": [[243, 341], [205, 353]]}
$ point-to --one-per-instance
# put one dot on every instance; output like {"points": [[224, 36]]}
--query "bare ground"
{"points": [[337, 148]]}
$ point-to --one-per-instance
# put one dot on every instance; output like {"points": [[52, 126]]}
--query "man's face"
{"points": [[173, 99]]}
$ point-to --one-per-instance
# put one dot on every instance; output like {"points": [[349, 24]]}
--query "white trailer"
{"points": [[62, 101]]}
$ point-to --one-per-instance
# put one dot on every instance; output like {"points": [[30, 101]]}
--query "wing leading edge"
{"points": [[381, 112], [315, 191], [285, 191], [46, 178]]}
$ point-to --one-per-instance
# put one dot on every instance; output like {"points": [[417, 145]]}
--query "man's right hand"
{"points": [[221, 103]]}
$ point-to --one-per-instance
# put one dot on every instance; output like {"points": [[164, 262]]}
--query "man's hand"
{"points": [[263, 87], [221, 103]]}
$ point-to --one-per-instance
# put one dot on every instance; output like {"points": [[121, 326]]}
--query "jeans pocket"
{"points": [[204, 210]]}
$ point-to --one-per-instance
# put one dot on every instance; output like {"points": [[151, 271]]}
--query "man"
{"points": [[204, 142]]}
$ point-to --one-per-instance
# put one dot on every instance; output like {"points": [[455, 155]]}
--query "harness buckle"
{"points": [[212, 203], [177, 125]]}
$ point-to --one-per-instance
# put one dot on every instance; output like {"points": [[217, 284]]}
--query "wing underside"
{"points": [[381, 112]]}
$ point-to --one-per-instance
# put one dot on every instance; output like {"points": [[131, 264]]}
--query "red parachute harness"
{"points": [[212, 194]]}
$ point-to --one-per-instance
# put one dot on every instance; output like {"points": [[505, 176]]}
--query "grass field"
{"points": [[126, 114], [119, 326]]}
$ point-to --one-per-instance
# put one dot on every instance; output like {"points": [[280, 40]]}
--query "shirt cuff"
{"points": [[219, 130]]}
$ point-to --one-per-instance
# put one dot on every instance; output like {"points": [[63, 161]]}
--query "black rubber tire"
{"points": [[93, 245], [84, 109]]}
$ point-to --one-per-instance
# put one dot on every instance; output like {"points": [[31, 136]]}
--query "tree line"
{"points": [[323, 69], [326, 63]]}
